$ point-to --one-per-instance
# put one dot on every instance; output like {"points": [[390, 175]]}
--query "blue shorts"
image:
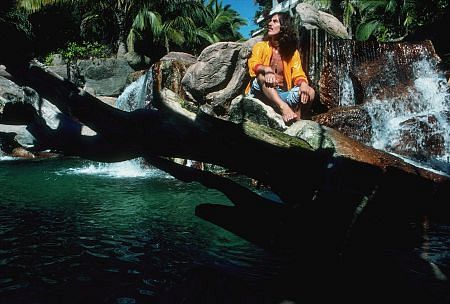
{"points": [[290, 97]]}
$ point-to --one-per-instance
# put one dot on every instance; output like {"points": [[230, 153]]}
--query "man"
{"points": [[276, 70]]}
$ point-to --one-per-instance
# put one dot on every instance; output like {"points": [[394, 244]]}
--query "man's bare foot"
{"points": [[288, 115]]}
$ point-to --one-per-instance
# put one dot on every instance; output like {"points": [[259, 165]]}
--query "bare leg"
{"points": [[285, 110]]}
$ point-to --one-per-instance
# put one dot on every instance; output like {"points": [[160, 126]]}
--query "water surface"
{"points": [[74, 231], [114, 231]]}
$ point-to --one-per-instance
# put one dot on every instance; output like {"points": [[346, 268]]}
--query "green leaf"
{"points": [[365, 30]]}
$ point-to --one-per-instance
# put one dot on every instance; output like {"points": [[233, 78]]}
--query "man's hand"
{"points": [[306, 93], [269, 77]]}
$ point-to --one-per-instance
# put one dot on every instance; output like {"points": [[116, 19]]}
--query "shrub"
{"points": [[75, 51]]}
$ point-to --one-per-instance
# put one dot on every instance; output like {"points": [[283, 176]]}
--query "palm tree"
{"points": [[191, 24], [167, 23], [186, 25], [222, 22], [120, 10], [126, 13]]}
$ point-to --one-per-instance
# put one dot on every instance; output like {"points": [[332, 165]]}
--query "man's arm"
{"points": [[298, 75], [256, 61]]}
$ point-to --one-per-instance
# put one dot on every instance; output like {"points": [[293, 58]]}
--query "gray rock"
{"points": [[3, 72], [23, 137], [105, 77], [219, 75], [311, 132], [57, 59], [136, 61], [253, 109]]}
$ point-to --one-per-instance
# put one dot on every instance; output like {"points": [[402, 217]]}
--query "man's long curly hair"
{"points": [[287, 38]]}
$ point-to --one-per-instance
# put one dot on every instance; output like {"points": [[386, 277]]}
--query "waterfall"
{"points": [[417, 123], [138, 94], [405, 96]]}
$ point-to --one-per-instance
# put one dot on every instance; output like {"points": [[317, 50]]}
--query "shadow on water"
{"points": [[80, 232], [398, 272]]}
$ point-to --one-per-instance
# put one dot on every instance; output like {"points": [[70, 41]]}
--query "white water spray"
{"points": [[135, 96], [417, 123], [128, 169]]}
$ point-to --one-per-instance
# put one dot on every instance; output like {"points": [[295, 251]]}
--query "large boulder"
{"points": [[137, 61], [313, 18], [15, 131], [219, 75], [11, 93], [105, 76]]}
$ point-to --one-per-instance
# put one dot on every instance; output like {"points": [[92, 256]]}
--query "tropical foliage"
{"points": [[222, 22], [16, 18], [187, 25], [84, 50], [149, 26], [392, 20], [384, 20]]}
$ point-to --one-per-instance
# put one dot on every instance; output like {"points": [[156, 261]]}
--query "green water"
{"points": [[115, 231], [74, 231]]}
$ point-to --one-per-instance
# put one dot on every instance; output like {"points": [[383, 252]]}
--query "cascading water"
{"points": [[138, 94], [347, 95], [416, 125], [405, 97]]}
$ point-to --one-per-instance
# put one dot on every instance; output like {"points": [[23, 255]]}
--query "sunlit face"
{"points": [[274, 26]]}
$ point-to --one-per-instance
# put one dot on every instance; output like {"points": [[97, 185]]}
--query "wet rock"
{"points": [[431, 143], [22, 153], [353, 121], [170, 70], [361, 71]]}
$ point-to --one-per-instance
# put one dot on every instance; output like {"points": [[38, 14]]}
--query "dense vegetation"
{"points": [[148, 27], [84, 28], [387, 20]]}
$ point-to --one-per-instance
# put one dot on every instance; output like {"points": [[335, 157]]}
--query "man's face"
{"points": [[274, 26]]}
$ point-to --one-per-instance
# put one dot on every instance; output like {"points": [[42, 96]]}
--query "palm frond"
{"points": [[349, 11], [37, 5], [147, 19], [171, 34], [391, 6]]}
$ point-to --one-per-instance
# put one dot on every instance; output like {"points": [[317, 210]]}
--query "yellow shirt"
{"points": [[292, 69]]}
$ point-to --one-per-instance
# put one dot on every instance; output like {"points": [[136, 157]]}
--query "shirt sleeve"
{"points": [[298, 75], [256, 58]]}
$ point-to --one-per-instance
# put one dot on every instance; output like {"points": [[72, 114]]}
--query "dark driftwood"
{"points": [[310, 183]]}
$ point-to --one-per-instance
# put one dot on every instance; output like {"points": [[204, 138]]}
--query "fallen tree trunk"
{"points": [[308, 180]]}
